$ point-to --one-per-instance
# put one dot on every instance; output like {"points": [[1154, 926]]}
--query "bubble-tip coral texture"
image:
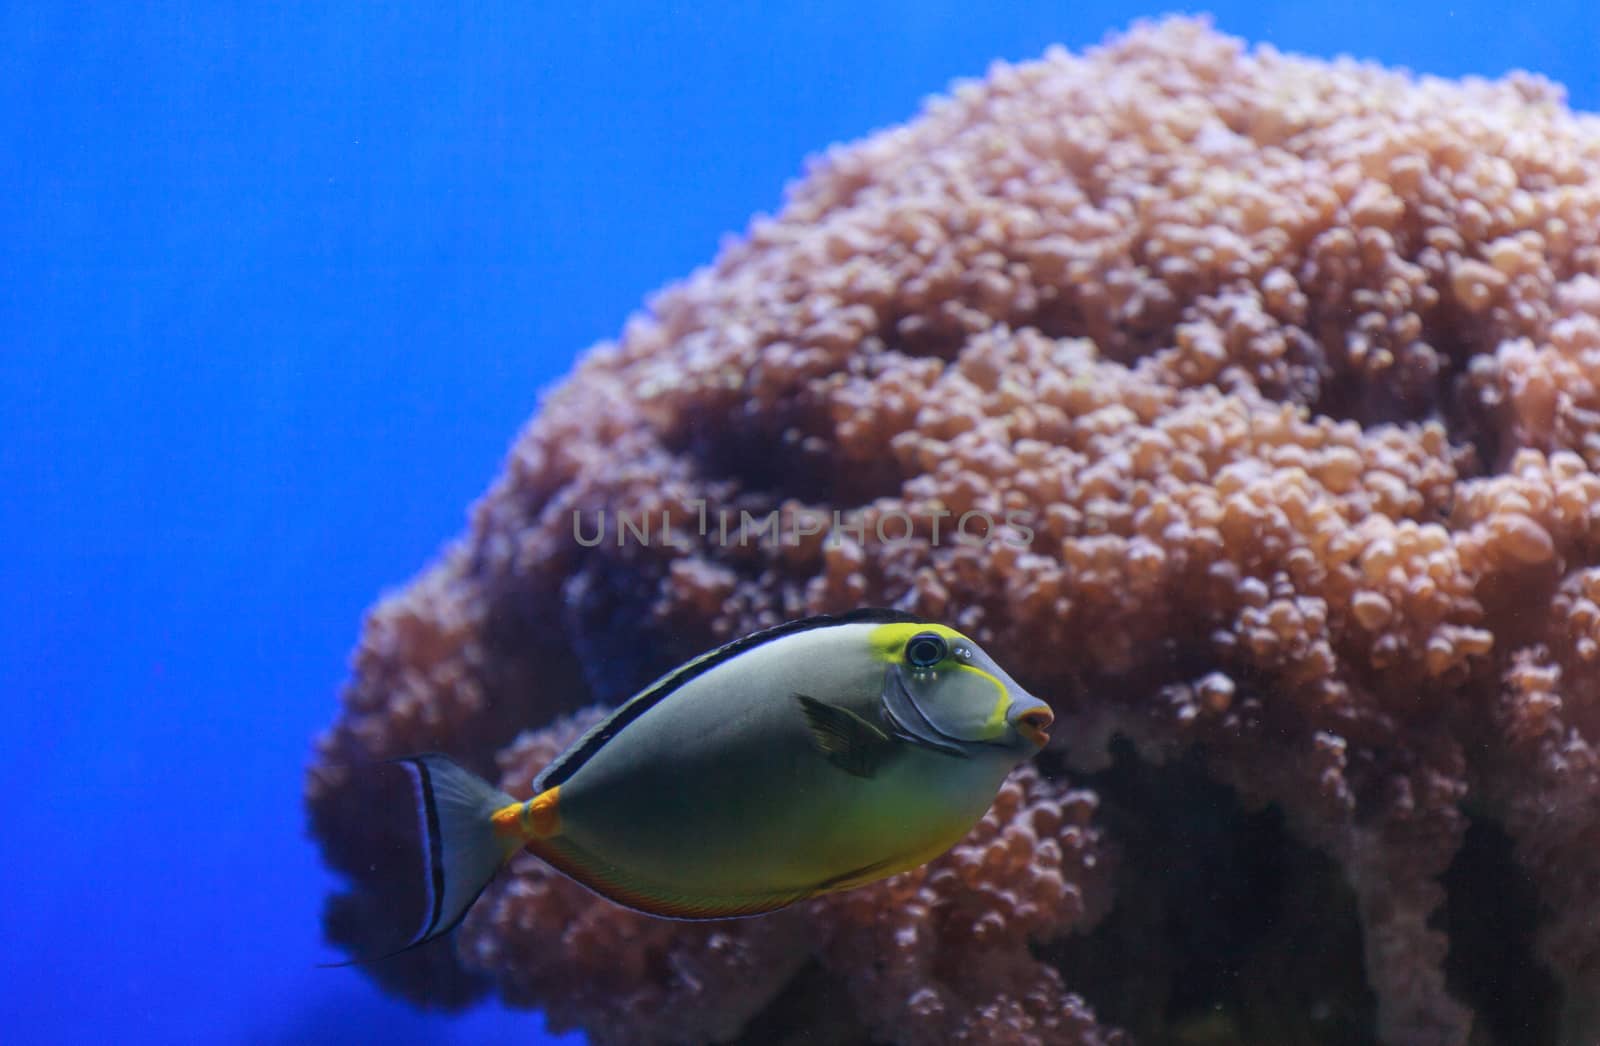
{"points": [[1292, 367]]}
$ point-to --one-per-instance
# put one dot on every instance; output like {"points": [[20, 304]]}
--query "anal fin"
{"points": [[617, 886], [862, 876]]}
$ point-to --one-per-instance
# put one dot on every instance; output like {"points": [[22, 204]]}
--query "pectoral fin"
{"points": [[851, 743]]}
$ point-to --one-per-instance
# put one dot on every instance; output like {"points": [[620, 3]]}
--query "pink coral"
{"points": [[1287, 370], [941, 954]]}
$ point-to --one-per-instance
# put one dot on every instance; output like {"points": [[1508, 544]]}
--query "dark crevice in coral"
{"points": [[1225, 928], [762, 458], [1348, 393], [1471, 422], [611, 628], [814, 1008], [1429, 380], [1061, 317], [920, 335], [1125, 342], [785, 453], [531, 674], [1490, 915]]}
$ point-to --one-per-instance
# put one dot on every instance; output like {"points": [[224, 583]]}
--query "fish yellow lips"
{"points": [[1034, 724]]}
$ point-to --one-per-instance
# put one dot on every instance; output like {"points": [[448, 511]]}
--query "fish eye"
{"points": [[926, 650]]}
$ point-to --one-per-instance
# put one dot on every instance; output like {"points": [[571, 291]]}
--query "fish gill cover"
{"points": [[1287, 367]]}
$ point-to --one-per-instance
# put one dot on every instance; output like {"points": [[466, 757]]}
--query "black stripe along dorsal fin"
{"points": [[568, 762]]}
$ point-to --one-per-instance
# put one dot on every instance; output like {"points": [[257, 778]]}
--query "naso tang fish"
{"points": [[815, 756]]}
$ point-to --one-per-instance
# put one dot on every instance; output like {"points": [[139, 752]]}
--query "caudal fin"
{"points": [[461, 846]]}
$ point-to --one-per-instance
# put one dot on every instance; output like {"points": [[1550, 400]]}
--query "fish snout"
{"points": [[1033, 720]]}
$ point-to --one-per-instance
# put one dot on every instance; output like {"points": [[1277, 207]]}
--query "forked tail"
{"points": [[468, 829]]}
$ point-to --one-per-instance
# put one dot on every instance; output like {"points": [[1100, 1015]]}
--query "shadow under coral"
{"points": [[1225, 928], [1228, 930]]}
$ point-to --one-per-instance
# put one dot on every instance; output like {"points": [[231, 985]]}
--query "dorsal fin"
{"points": [[568, 762]]}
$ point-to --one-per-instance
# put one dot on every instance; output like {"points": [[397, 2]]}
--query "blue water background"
{"points": [[278, 284]]}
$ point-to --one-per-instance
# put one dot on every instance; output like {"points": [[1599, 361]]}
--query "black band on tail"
{"points": [[428, 814]]}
